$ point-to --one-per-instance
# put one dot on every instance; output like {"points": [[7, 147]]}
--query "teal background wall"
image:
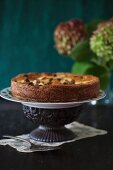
{"points": [[26, 33]]}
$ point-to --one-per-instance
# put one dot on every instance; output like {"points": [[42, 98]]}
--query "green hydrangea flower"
{"points": [[101, 42]]}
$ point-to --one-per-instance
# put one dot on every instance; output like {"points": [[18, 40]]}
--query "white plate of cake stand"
{"points": [[51, 118]]}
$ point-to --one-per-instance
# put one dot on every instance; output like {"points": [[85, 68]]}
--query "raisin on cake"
{"points": [[55, 87]]}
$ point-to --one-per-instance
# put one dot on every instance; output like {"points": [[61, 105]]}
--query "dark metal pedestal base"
{"points": [[47, 134], [51, 123]]}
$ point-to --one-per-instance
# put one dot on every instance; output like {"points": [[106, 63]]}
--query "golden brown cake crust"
{"points": [[54, 87]]}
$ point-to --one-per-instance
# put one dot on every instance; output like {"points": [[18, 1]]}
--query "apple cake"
{"points": [[54, 87]]}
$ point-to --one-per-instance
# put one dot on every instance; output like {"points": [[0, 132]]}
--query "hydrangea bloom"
{"points": [[102, 41], [68, 34]]}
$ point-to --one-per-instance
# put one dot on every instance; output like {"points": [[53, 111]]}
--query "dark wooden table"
{"points": [[87, 154]]}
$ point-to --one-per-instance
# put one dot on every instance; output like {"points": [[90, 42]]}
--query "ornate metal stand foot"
{"points": [[51, 123], [47, 134]]}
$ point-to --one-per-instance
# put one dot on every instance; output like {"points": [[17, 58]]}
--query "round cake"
{"points": [[55, 87]]}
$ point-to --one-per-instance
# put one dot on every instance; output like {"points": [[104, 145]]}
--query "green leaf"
{"points": [[110, 65], [101, 62], [81, 67], [92, 26], [81, 52], [96, 70], [102, 73]]}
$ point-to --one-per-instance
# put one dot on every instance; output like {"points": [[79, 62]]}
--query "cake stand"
{"points": [[51, 118]]}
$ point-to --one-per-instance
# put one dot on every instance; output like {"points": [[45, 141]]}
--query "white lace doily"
{"points": [[81, 131]]}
